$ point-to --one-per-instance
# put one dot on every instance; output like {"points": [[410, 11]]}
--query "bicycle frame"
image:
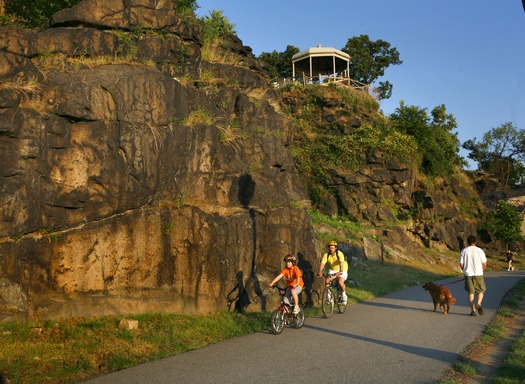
{"points": [[284, 315], [332, 296]]}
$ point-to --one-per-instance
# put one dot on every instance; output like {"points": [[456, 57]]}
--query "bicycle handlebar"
{"points": [[330, 275]]}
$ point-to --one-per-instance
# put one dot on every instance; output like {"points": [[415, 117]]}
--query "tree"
{"points": [[280, 62], [217, 25], [501, 152], [368, 61], [34, 13], [185, 5], [438, 145], [384, 90], [185, 8], [505, 223]]}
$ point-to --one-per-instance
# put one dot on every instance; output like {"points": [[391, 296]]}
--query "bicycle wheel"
{"points": [[328, 302], [298, 319], [277, 322], [340, 306], [315, 298]]}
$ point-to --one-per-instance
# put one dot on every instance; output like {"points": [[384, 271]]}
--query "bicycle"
{"points": [[284, 315], [309, 300], [332, 295]]}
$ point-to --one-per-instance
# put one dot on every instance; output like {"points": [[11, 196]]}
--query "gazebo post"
{"points": [[325, 61]]}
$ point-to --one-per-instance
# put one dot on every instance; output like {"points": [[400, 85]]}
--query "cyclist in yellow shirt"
{"points": [[337, 267]]}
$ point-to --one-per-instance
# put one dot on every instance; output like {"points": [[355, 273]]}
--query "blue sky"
{"points": [[466, 54]]}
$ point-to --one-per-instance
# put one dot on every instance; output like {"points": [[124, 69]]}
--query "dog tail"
{"points": [[447, 298]]}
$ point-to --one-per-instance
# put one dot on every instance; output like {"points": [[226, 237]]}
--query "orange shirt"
{"points": [[291, 276]]}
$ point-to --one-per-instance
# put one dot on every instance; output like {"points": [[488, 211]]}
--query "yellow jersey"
{"points": [[333, 261]]}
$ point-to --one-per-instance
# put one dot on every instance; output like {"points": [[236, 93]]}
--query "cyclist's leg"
{"points": [[331, 276], [328, 279], [342, 284], [295, 294], [288, 296], [342, 279]]}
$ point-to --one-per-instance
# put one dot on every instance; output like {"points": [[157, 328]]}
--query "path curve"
{"points": [[395, 338]]}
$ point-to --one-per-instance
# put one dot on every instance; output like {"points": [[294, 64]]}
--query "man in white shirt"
{"points": [[473, 262]]}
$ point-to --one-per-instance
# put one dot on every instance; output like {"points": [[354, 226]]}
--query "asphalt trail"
{"points": [[396, 338]]}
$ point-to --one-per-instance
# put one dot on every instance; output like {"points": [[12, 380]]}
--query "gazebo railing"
{"points": [[324, 80]]}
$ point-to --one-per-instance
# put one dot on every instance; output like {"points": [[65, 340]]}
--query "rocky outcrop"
{"points": [[137, 176], [135, 185]]}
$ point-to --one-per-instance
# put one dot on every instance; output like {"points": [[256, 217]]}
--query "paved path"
{"points": [[396, 338]]}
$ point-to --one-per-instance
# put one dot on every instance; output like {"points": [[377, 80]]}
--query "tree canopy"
{"points": [[438, 145], [368, 61], [501, 152], [34, 13], [280, 62], [217, 25], [505, 223]]}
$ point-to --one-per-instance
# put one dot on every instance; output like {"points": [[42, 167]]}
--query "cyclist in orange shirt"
{"points": [[294, 280]]}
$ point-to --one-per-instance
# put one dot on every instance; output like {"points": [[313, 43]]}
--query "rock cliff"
{"points": [[136, 185], [140, 175]]}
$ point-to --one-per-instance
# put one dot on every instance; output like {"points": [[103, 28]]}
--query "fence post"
{"points": [[382, 253]]}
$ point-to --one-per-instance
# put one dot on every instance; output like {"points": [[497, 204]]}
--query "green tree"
{"points": [[384, 90], [216, 25], [183, 5], [185, 8], [368, 61], [438, 145], [280, 62], [34, 13], [501, 152], [505, 223]]}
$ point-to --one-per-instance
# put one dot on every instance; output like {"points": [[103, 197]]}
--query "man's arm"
{"points": [[321, 268]]}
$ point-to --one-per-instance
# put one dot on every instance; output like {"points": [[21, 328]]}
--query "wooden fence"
{"points": [[323, 80]]}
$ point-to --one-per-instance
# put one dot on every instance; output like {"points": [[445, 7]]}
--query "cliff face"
{"points": [[125, 189], [137, 176]]}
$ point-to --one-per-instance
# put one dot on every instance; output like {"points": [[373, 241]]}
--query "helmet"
{"points": [[330, 243], [290, 257]]}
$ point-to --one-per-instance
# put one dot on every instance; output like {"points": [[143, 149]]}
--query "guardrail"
{"points": [[323, 80]]}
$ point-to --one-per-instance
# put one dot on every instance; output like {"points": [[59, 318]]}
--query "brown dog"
{"points": [[440, 295]]}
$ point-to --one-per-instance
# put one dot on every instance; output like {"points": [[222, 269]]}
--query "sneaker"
{"points": [[296, 310], [345, 298], [472, 313], [480, 310]]}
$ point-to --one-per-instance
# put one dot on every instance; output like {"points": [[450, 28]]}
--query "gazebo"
{"points": [[321, 65]]}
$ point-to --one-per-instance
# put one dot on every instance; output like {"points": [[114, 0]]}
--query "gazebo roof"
{"points": [[323, 59]]}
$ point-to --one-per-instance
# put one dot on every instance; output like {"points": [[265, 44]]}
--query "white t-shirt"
{"points": [[472, 258]]}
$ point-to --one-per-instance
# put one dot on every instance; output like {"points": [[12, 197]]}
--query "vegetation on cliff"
{"points": [[35, 13]]}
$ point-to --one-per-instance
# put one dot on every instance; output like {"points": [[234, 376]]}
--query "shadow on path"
{"points": [[394, 306], [418, 351]]}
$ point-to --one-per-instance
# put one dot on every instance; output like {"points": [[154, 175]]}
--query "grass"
{"points": [[76, 349], [513, 368]]}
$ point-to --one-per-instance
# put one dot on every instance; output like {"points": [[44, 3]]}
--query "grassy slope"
{"points": [[76, 349]]}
